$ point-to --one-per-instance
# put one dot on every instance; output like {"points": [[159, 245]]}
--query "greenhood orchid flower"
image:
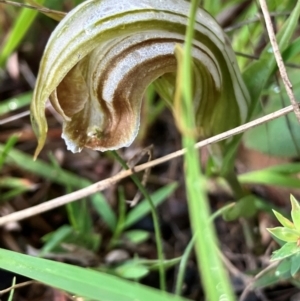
{"points": [[103, 55]]}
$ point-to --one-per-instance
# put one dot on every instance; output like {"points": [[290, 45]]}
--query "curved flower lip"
{"points": [[103, 55]]}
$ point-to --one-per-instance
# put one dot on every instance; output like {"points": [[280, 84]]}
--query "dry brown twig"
{"points": [[99, 186], [287, 84], [42, 9], [7, 290]]}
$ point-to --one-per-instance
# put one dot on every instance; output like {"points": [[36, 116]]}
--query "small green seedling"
{"points": [[289, 235]]}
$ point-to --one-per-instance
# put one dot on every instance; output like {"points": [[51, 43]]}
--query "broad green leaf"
{"points": [[136, 236], [132, 270], [283, 267], [274, 275], [285, 234], [283, 220], [295, 264], [80, 281], [279, 137], [245, 207], [295, 213], [281, 141], [287, 250]]}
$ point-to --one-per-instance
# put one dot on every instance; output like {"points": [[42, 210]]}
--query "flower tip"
{"points": [[294, 202], [41, 143]]}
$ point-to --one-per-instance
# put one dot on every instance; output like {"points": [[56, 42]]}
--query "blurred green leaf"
{"points": [[292, 50], [154, 264], [295, 264], [80, 281], [55, 238], [56, 175], [286, 169], [143, 208], [102, 207], [281, 136], [132, 270], [295, 213], [258, 73], [287, 250], [213, 7], [5, 150], [5, 196], [245, 207], [78, 213], [15, 103], [274, 275], [267, 177], [67, 235], [285, 234], [283, 220], [136, 236], [19, 30]]}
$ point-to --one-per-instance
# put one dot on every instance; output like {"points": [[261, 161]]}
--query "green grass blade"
{"points": [[266, 177], [78, 214], [104, 210], [56, 238], [19, 30], [143, 208], [121, 218], [209, 262], [188, 251], [287, 169], [59, 176], [292, 50], [15, 103], [11, 194], [80, 281], [11, 293], [183, 264], [157, 230], [6, 149], [11, 182]]}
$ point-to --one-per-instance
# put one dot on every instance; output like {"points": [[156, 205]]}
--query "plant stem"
{"points": [[214, 277], [183, 264], [158, 236]]}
